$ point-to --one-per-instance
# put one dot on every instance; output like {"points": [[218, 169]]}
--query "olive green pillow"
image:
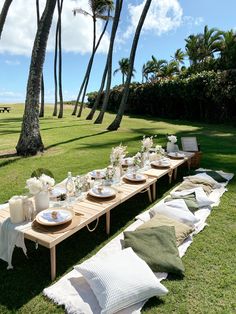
{"points": [[157, 247], [190, 200], [182, 231], [215, 175]]}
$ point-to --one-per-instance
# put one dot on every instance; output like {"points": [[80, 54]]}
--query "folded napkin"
{"points": [[11, 235]]}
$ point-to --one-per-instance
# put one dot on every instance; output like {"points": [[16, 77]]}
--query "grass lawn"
{"points": [[77, 145]]}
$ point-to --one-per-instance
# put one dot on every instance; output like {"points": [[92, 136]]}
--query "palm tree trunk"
{"points": [[118, 9], [55, 71], [41, 113], [116, 123], [60, 115], [30, 141], [95, 47], [3, 14], [99, 95]]}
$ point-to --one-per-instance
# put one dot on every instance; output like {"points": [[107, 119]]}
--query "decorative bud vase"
{"points": [[171, 147], [117, 174], [41, 201]]}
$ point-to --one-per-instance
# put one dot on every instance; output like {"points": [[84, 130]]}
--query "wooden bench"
{"points": [[5, 108]]}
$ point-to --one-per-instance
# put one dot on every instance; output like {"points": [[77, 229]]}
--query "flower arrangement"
{"points": [[137, 159], [147, 143], [117, 154], [36, 185], [172, 139], [160, 150]]}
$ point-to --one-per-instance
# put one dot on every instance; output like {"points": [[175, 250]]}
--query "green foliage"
{"points": [[204, 96], [38, 172]]}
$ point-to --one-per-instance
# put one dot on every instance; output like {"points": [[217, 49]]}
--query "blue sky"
{"points": [[168, 23]]}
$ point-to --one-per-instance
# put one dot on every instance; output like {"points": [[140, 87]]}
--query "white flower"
{"points": [[137, 159], [172, 138], [34, 185], [160, 150], [147, 143], [46, 180], [117, 154]]}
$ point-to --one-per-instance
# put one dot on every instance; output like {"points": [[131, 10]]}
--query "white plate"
{"points": [[139, 177], [176, 155], [57, 191], [98, 174], [105, 192], [161, 164], [127, 162], [45, 217]]}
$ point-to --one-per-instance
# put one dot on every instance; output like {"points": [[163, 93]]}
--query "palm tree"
{"points": [[108, 68], [154, 67], [116, 123], [124, 65], [193, 49], [209, 42], [179, 57], [98, 9], [3, 14], [59, 5], [228, 49], [41, 113], [30, 141], [169, 70]]}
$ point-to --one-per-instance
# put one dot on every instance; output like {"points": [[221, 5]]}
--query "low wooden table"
{"points": [[91, 211]]}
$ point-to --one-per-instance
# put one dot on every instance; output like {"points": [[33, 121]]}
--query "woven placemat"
{"points": [[60, 228]]}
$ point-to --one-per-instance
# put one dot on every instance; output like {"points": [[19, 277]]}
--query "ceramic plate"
{"points": [[160, 164], [176, 155], [105, 192], [54, 216], [97, 174], [139, 177], [57, 191]]}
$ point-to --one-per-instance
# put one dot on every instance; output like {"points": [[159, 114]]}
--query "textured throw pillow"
{"points": [[215, 175], [202, 199], [120, 280], [186, 185], [203, 178], [175, 209], [157, 247], [190, 201], [182, 231]]}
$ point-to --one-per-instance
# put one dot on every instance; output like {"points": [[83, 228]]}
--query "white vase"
{"points": [[41, 201], [117, 174]]}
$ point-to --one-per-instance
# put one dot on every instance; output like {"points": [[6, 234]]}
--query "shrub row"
{"points": [[206, 96]]}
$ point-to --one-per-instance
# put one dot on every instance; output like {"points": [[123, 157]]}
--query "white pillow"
{"points": [[176, 209], [120, 280], [201, 197]]}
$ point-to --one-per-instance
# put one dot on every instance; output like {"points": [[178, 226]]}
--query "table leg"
{"points": [[53, 262], [175, 173], [108, 222], [170, 173], [154, 191], [189, 164], [149, 194]]}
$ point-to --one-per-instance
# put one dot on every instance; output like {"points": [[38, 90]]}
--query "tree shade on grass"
{"points": [[79, 146]]}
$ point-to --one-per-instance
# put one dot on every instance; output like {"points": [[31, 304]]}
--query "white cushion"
{"points": [[204, 176], [175, 209], [201, 197], [120, 280]]}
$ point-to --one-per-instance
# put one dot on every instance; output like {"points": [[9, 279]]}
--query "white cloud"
{"points": [[193, 21], [162, 17], [20, 27], [12, 62]]}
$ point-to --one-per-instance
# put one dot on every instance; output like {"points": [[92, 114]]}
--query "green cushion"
{"points": [[215, 175], [182, 231], [157, 247], [190, 201]]}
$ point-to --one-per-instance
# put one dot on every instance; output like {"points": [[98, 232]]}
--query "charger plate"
{"points": [[105, 193], [45, 217]]}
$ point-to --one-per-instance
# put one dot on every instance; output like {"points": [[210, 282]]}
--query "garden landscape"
{"points": [[122, 118]]}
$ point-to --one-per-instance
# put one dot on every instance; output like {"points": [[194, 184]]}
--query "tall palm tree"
{"points": [[154, 67], [30, 141], [3, 14], [124, 64], [193, 49], [41, 113], [209, 42], [59, 5], [116, 123], [98, 9], [108, 68], [169, 70], [109, 64]]}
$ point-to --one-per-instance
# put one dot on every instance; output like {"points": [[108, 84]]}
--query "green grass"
{"points": [[77, 145]]}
